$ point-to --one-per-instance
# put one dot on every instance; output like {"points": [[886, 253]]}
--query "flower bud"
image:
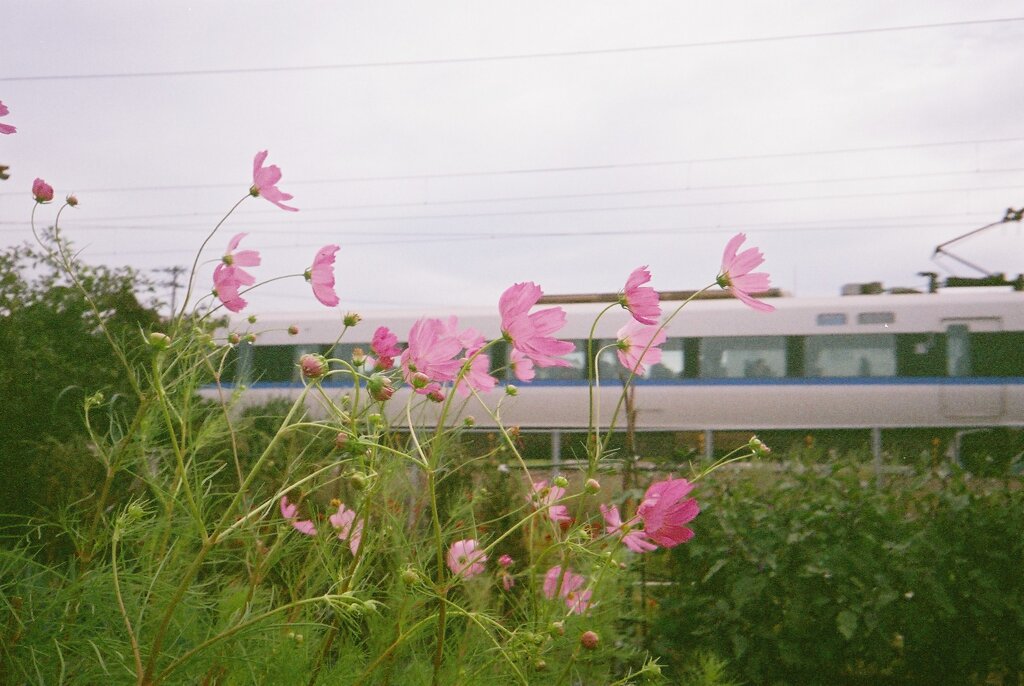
{"points": [[560, 481], [234, 339], [351, 319], [511, 390], [358, 357], [313, 366], [469, 422], [505, 561], [341, 440], [419, 380], [42, 191], [3, 172], [72, 200], [410, 576], [380, 388], [293, 330], [436, 395], [592, 486], [540, 664], [557, 628], [251, 319], [589, 640], [249, 338], [757, 446], [358, 481], [159, 341]]}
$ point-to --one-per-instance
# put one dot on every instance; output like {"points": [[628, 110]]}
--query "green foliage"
{"points": [[52, 355], [817, 576]]}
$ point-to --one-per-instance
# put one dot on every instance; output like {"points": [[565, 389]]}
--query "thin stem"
{"points": [[124, 612], [195, 263]]}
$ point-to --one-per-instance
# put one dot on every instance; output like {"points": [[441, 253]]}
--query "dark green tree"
{"points": [[53, 354]]}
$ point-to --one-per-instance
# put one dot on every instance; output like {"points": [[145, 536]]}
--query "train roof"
{"points": [[851, 314]]}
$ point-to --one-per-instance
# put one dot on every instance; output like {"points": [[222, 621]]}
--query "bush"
{"points": [[820, 577]]}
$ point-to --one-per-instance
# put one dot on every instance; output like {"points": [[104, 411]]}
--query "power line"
{"points": [[561, 211], [818, 225], [510, 57], [559, 196], [540, 170]]}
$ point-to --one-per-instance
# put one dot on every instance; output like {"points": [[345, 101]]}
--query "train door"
{"points": [[960, 398]]}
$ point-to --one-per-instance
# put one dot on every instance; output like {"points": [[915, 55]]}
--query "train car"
{"points": [[953, 359]]}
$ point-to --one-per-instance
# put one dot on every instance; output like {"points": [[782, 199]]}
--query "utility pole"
{"points": [[172, 283]]}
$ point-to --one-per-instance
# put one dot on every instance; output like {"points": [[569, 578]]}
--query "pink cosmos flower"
{"points": [[385, 346], [290, 512], [321, 275], [5, 128], [634, 539], [567, 586], [637, 346], [640, 300], [432, 353], [544, 496], [736, 278], [664, 512], [42, 191], [342, 521], [466, 559], [477, 375], [229, 277], [264, 183], [528, 333], [522, 366]]}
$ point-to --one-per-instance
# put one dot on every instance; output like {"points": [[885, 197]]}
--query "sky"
{"points": [[454, 148]]}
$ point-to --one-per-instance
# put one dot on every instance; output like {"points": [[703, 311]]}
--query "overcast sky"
{"points": [[454, 148]]}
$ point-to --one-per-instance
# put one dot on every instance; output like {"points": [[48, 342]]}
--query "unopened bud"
{"points": [[469, 422], [72, 200], [505, 561], [293, 330], [540, 665], [436, 395], [380, 388], [358, 357], [757, 446], [419, 380], [249, 338], [313, 366], [511, 390], [557, 628], [592, 486], [351, 319], [410, 576], [159, 341], [358, 481], [234, 339], [589, 640], [340, 441], [251, 319], [560, 481]]}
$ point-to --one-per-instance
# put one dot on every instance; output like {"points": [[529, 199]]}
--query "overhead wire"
{"points": [[508, 57]]}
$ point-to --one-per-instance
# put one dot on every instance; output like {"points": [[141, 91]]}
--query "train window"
{"points": [[997, 353], [747, 357], [850, 355], [273, 362], [876, 317], [921, 354], [831, 319], [576, 371], [671, 365]]}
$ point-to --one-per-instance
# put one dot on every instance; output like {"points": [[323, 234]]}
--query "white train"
{"points": [[949, 359]]}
